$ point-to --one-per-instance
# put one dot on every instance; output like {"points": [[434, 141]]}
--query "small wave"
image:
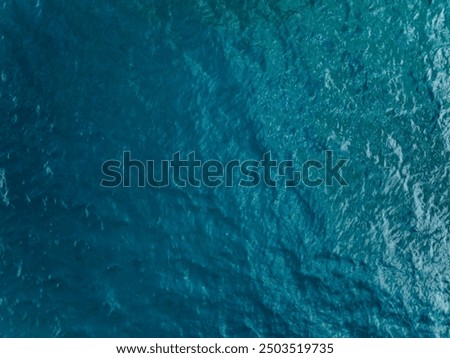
{"points": [[3, 187]]}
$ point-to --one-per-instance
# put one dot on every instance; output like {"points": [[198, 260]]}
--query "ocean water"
{"points": [[82, 81]]}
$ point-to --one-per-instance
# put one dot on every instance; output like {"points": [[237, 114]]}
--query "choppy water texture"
{"points": [[81, 81]]}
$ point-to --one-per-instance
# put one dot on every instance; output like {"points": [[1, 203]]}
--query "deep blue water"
{"points": [[82, 81]]}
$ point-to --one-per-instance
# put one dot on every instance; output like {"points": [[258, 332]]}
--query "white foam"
{"points": [[439, 76], [397, 149], [3, 187]]}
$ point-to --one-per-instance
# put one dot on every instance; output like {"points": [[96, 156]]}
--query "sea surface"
{"points": [[82, 81]]}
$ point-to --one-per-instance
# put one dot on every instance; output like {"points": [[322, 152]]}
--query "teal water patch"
{"points": [[82, 82]]}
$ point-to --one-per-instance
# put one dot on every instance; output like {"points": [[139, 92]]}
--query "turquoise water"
{"points": [[82, 81]]}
